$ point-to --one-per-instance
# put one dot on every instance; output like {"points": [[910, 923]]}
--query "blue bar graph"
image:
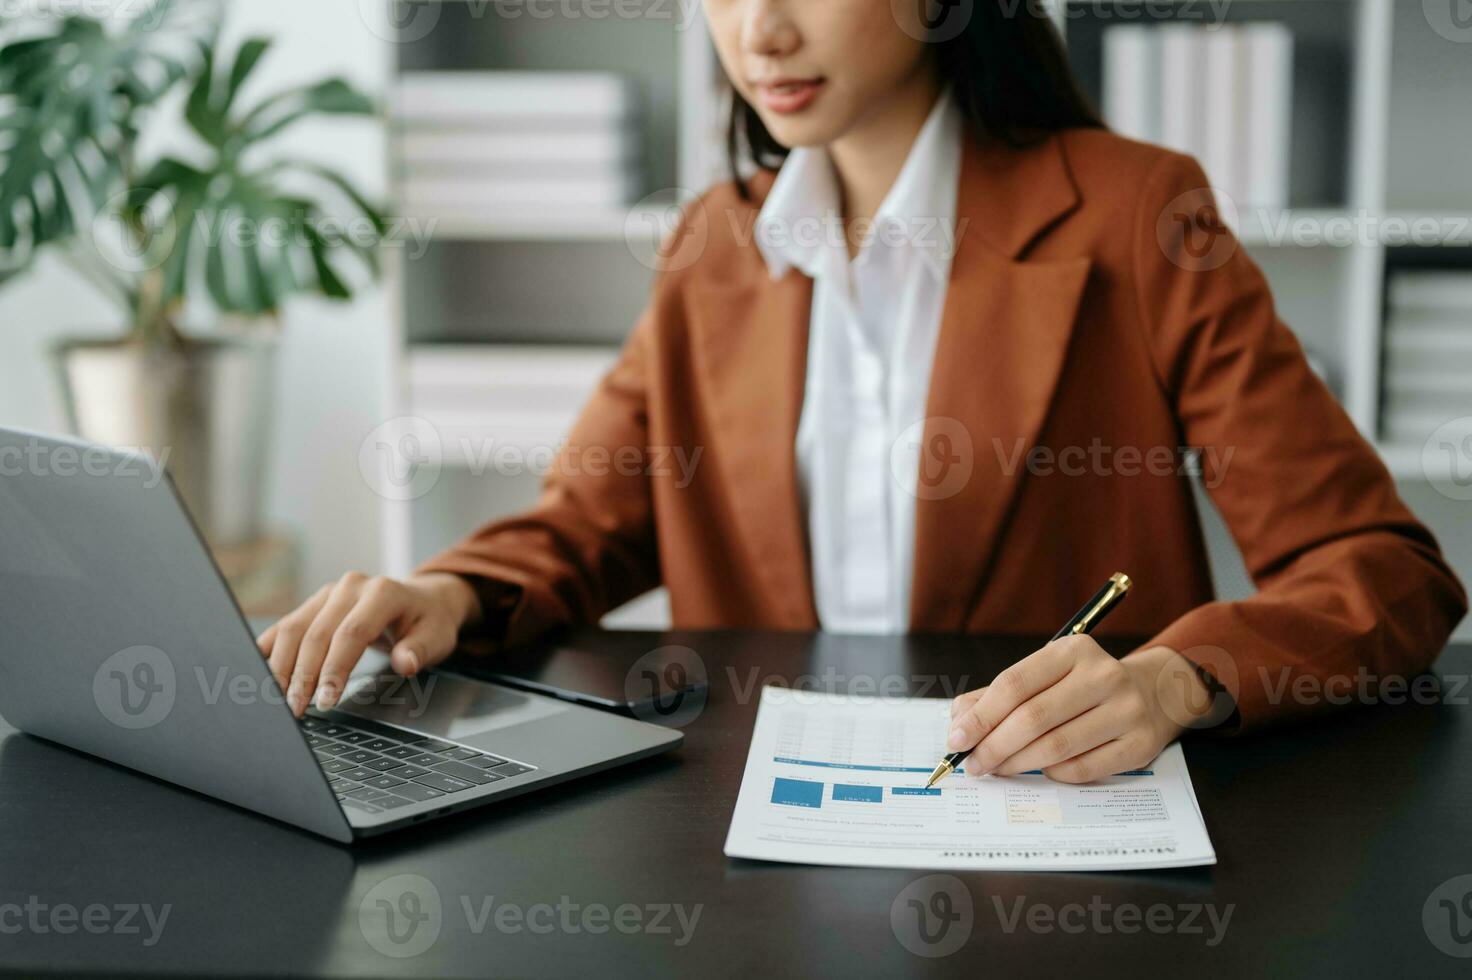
{"points": [[857, 794], [912, 791], [797, 792]]}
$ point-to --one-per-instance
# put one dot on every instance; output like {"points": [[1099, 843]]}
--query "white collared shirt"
{"points": [[871, 341]]}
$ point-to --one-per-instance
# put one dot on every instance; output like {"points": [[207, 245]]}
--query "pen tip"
{"points": [[940, 772]]}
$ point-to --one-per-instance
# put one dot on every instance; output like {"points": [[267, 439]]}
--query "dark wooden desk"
{"points": [[1331, 840]]}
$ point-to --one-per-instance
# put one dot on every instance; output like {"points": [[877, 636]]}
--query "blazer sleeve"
{"points": [[588, 545], [1352, 589]]}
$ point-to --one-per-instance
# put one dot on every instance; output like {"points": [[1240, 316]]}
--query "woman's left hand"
{"points": [[1073, 711]]}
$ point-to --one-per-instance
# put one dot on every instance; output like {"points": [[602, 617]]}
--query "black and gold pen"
{"points": [[1084, 620]]}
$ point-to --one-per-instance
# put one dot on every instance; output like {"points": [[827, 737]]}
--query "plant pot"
{"points": [[203, 409]]}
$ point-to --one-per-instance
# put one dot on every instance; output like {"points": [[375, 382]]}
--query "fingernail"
{"points": [[327, 695], [410, 660], [295, 701], [956, 741]]}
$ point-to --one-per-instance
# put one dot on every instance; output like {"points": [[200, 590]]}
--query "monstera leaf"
{"points": [[247, 229], [254, 232], [70, 102]]}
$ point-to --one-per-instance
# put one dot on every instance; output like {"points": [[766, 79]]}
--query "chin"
{"points": [[795, 130]]}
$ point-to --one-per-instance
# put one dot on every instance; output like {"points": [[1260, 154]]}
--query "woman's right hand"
{"points": [[313, 649]]}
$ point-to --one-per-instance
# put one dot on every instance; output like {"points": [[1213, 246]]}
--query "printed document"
{"points": [[839, 779]]}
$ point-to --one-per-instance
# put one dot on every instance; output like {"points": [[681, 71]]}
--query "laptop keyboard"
{"points": [[380, 769]]}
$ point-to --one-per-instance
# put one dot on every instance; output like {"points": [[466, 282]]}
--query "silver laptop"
{"points": [[119, 637]]}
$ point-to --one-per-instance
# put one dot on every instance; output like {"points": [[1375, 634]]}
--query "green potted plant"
{"points": [[225, 231]]}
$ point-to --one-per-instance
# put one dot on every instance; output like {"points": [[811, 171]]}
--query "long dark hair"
{"points": [[1006, 68]]}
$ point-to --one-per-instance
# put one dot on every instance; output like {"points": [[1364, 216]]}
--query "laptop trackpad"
{"points": [[440, 704]]}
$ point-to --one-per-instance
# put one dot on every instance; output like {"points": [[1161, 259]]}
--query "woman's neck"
{"points": [[867, 159]]}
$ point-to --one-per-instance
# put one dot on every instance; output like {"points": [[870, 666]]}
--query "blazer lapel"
{"points": [[749, 340], [1003, 341]]}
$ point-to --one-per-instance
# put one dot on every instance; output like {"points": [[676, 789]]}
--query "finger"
{"points": [[267, 638], [1072, 738], [963, 702], [424, 644], [1034, 719], [1011, 688], [313, 649], [381, 603], [289, 633], [1121, 755]]}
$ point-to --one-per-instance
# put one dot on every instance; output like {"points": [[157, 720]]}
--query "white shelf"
{"points": [[480, 397], [1455, 225], [572, 225], [1283, 227], [527, 397], [1408, 462], [1352, 228], [495, 363]]}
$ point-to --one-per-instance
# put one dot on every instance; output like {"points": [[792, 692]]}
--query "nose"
{"points": [[767, 31]]}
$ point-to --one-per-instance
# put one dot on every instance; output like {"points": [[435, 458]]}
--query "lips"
{"points": [[788, 95]]}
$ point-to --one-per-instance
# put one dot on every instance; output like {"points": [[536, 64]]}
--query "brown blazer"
{"points": [[1097, 320]]}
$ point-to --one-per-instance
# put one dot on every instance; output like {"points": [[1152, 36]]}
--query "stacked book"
{"points": [[478, 145], [482, 397], [1222, 94], [1428, 354]]}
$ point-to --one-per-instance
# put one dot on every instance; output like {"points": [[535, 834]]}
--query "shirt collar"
{"points": [[799, 224]]}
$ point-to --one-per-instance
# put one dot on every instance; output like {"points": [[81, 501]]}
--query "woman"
{"points": [[935, 364]]}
